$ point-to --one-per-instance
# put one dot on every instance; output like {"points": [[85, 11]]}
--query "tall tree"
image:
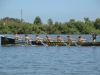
{"points": [[72, 21], [86, 19], [50, 22], [56, 23], [37, 21]]}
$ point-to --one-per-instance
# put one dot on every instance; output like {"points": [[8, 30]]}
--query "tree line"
{"points": [[14, 25]]}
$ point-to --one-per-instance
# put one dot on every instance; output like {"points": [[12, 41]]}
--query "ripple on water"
{"points": [[35, 60]]}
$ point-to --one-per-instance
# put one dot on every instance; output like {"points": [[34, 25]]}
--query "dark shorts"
{"points": [[94, 38]]}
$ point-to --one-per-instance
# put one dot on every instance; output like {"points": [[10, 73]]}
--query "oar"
{"points": [[65, 43], [43, 43], [75, 43]]}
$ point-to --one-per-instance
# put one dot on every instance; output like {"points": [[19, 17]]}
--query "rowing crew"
{"points": [[49, 39]]}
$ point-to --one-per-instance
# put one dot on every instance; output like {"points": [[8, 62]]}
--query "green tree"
{"points": [[97, 23], [72, 21], [56, 23], [37, 21], [80, 26], [50, 22], [13, 25], [86, 19]]}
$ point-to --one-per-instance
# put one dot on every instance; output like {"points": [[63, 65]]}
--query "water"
{"points": [[50, 60]]}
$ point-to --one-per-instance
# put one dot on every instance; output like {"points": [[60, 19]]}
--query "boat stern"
{"points": [[5, 40]]}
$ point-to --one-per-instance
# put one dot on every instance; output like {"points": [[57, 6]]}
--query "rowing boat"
{"points": [[11, 41]]}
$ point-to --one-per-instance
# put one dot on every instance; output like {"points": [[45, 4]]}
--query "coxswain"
{"points": [[94, 36]]}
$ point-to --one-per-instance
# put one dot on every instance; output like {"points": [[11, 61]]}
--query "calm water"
{"points": [[50, 60]]}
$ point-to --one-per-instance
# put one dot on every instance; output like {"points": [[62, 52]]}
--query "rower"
{"points": [[80, 39], [59, 39], [38, 39], [28, 39], [48, 39], [17, 37], [70, 40]]}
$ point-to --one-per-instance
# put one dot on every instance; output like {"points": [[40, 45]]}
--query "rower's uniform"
{"points": [[79, 40], [47, 40], [37, 40], [16, 38], [58, 40], [69, 41], [26, 39]]}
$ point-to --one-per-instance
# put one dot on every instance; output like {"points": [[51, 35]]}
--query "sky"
{"points": [[57, 10]]}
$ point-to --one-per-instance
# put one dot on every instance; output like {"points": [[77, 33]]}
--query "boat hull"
{"points": [[10, 41]]}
